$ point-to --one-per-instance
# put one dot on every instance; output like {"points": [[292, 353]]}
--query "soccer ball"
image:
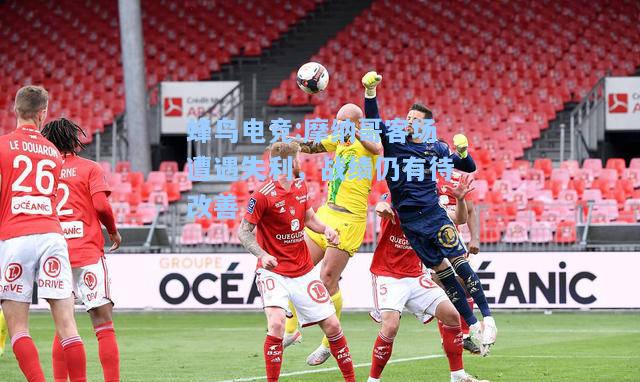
{"points": [[312, 78]]}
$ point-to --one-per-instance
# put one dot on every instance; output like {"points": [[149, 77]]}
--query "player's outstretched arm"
{"points": [[461, 159], [105, 215], [250, 243], [370, 81], [474, 228]]}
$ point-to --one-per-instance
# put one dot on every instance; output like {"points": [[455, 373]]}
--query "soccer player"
{"points": [[425, 223], [280, 211], [82, 206], [32, 247], [345, 211], [399, 282]]}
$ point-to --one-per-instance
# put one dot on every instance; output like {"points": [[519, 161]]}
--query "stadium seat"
{"points": [[541, 232], [565, 233], [545, 165], [516, 232], [217, 233], [191, 234], [617, 164], [147, 211], [123, 166], [157, 179], [169, 168], [595, 165]]}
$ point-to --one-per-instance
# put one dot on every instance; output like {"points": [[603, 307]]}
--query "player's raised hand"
{"points": [[463, 188], [332, 236], [116, 240], [370, 81], [385, 211], [268, 262], [461, 143]]}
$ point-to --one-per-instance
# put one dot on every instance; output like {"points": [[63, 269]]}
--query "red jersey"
{"points": [[279, 218], [394, 256], [29, 169], [80, 179]]}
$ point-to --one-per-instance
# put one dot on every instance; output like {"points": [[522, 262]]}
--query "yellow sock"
{"points": [[292, 323], [4, 332], [337, 303]]}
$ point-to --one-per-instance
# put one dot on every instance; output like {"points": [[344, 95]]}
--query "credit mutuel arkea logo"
{"points": [[618, 103], [173, 107]]}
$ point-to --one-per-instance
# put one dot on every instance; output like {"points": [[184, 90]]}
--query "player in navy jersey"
{"points": [[425, 223]]}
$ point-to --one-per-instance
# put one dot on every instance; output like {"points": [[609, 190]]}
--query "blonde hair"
{"points": [[30, 100], [284, 149]]}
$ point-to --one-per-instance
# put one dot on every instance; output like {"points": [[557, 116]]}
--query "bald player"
{"points": [[345, 211]]}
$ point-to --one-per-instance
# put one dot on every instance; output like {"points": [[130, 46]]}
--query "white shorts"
{"points": [[307, 293], [419, 295], [91, 285], [42, 258]]}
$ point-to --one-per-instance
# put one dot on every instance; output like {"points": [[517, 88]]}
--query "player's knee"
{"points": [[448, 314], [330, 278], [390, 327], [101, 315], [276, 328], [331, 326]]}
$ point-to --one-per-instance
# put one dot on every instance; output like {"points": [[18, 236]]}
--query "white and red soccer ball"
{"points": [[312, 78]]}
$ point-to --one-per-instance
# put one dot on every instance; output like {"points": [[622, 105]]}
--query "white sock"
{"points": [[371, 379], [457, 374]]}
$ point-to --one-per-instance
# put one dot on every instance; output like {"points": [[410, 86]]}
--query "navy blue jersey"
{"points": [[420, 194]]}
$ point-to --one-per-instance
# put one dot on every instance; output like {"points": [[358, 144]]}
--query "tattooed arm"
{"points": [[312, 147], [248, 240]]}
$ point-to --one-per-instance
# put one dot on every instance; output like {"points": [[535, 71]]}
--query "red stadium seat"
{"points": [[123, 166], [541, 232], [616, 164], [545, 165], [169, 167], [565, 233], [217, 233], [516, 232]]}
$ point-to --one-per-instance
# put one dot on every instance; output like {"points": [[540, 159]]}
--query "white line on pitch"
{"points": [[326, 369]]}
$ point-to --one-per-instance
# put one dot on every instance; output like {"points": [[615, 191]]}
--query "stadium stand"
{"points": [[86, 83]]}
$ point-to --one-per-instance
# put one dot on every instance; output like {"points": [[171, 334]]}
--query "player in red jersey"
{"points": [[280, 211], [449, 202], [399, 282], [32, 247], [82, 206]]}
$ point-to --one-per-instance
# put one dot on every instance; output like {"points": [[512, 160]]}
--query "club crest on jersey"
{"points": [[295, 225], [251, 206], [292, 211], [448, 236]]}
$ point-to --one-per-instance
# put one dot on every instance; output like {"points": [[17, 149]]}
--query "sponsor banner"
{"points": [[190, 99], [541, 280], [623, 103]]}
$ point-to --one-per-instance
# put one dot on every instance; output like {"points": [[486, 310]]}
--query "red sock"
{"points": [[381, 353], [452, 344], [76, 358], [108, 352], [463, 323], [340, 351], [27, 356], [273, 357], [59, 364]]}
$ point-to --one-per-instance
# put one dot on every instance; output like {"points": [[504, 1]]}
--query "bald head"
{"points": [[350, 112]]}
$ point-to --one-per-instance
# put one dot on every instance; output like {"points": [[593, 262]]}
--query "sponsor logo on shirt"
{"points": [[31, 205], [251, 206], [72, 230], [295, 225]]}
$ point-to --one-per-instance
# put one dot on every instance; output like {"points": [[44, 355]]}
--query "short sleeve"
{"points": [[329, 144], [255, 208], [98, 181]]}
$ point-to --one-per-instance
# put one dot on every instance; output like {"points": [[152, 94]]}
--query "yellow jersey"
{"points": [[350, 190]]}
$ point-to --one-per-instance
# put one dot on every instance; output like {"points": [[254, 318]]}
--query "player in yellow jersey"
{"points": [[345, 211], [3, 333]]}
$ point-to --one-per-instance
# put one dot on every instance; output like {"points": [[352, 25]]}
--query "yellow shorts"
{"points": [[350, 227]]}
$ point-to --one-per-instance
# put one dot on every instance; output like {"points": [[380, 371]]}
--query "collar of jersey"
{"points": [[29, 128]]}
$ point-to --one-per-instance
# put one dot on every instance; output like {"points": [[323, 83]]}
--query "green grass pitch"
{"points": [[215, 347]]}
